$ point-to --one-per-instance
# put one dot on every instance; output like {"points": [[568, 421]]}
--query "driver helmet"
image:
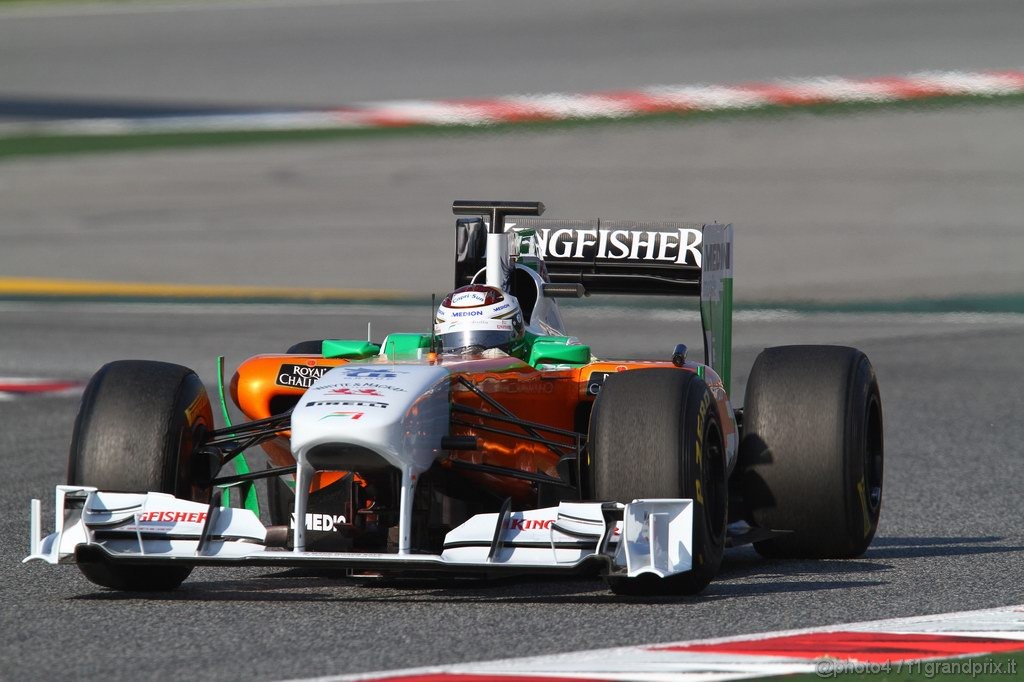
{"points": [[479, 317]]}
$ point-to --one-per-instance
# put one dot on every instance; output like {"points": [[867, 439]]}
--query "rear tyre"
{"points": [[811, 456], [655, 433], [136, 430]]}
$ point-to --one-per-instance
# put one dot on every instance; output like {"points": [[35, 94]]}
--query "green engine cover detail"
{"points": [[554, 350], [405, 344], [349, 350]]}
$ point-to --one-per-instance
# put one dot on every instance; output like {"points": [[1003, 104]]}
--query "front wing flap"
{"points": [[644, 536]]}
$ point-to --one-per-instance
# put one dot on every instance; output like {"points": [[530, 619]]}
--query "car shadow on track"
{"points": [[295, 586], [921, 547], [529, 592], [743, 574], [883, 549]]}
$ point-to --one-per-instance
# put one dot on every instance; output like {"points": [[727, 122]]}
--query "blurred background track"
{"points": [[319, 54], [880, 204], [891, 205]]}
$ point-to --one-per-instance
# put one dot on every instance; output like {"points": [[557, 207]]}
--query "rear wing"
{"points": [[614, 257]]}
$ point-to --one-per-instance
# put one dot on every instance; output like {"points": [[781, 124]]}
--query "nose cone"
{"points": [[400, 412]]}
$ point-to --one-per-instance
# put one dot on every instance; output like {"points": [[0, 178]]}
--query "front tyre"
{"points": [[810, 461], [136, 430], [656, 433]]}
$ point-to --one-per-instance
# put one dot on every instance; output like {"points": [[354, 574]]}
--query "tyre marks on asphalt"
{"points": [[898, 646]]}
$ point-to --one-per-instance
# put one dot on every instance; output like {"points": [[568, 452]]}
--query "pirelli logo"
{"points": [[359, 403]]}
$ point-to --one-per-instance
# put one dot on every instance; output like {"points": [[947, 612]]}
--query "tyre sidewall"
{"points": [[861, 514], [656, 434], [136, 429], [153, 412], [803, 464], [703, 480]]}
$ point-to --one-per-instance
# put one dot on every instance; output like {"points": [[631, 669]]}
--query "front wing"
{"points": [[644, 536]]}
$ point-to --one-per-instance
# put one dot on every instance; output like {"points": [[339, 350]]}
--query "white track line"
{"points": [[672, 663]]}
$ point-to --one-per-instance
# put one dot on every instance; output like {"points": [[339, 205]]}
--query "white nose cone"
{"points": [[359, 411]]}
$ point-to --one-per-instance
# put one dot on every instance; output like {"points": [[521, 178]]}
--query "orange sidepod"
{"points": [[265, 385], [548, 398]]}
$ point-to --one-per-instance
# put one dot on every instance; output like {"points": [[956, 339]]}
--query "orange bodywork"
{"points": [[550, 397], [255, 390]]}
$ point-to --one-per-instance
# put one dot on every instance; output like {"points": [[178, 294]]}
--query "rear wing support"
{"points": [[497, 240]]}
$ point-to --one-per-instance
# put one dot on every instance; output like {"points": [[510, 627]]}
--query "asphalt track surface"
{"points": [[950, 535]]}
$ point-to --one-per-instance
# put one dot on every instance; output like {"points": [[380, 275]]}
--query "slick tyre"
{"points": [[136, 429], [810, 460], [656, 433]]}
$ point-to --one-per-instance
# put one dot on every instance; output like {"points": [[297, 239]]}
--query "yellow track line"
{"points": [[69, 288]]}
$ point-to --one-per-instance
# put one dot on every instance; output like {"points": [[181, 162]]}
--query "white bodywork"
{"points": [[400, 412], [141, 524], [154, 528]]}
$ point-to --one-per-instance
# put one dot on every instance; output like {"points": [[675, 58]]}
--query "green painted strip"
{"points": [[247, 491], [726, 340], [55, 290], [977, 303], [41, 145], [981, 304], [995, 303], [220, 390]]}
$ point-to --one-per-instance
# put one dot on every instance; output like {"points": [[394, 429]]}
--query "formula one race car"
{"points": [[415, 457]]}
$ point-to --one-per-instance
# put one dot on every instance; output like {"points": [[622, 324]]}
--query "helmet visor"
{"points": [[465, 340]]}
